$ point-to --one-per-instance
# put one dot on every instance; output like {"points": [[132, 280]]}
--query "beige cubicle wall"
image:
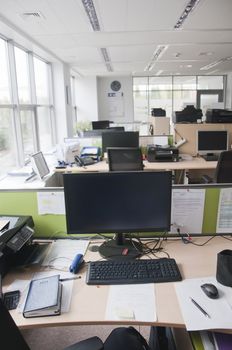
{"points": [[189, 132]]}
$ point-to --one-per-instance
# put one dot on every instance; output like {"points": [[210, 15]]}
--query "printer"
{"points": [[218, 116], [156, 153], [16, 246]]}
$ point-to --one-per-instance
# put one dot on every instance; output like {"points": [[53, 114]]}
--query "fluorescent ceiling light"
{"points": [[189, 8], [213, 64], [106, 59], [91, 13], [156, 54]]}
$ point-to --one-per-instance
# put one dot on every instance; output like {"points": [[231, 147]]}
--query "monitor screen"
{"points": [[118, 202], [120, 139], [100, 124], [39, 164], [211, 141]]}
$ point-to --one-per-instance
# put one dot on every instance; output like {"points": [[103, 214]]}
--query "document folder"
{"points": [[44, 297]]}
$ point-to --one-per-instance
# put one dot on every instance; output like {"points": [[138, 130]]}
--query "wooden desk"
{"points": [[195, 163], [88, 304], [179, 168]]}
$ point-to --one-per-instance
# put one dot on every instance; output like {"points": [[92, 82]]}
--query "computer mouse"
{"points": [[210, 290]]}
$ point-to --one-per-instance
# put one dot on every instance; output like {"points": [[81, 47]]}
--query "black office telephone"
{"points": [[83, 161]]}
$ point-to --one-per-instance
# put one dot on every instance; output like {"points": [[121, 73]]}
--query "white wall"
{"points": [[86, 98], [106, 103], [63, 113]]}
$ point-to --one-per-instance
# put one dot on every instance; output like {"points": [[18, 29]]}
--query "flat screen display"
{"points": [[120, 139], [39, 164], [211, 141], [118, 202]]}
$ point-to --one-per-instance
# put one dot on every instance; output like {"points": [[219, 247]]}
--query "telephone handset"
{"points": [[79, 161], [84, 161]]}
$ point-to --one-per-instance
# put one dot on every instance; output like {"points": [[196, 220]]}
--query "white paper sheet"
{"points": [[187, 210], [50, 203], [63, 251], [219, 310], [224, 218], [131, 302]]}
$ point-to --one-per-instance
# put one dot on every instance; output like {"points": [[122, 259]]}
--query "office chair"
{"points": [[13, 338], [125, 158], [223, 172]]}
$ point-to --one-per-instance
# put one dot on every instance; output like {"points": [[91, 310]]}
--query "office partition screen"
{"points": [[118, 202], [120, 139]]}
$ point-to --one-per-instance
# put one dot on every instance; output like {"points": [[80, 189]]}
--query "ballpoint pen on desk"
{"points": [[69, 278], [199, 307]]}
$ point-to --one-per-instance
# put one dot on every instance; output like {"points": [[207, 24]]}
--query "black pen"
{"points": [[199, 307], [69, 279]]}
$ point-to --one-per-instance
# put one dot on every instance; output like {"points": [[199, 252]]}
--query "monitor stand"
{"points": [[120, 248]]}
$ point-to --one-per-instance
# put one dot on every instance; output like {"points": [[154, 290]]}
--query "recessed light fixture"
{"points": [[177, 54], [205, 53], [93, 19], [188, 9], [91, 13], [159, 72], [215, 63], [156, 55], [106, 59]]}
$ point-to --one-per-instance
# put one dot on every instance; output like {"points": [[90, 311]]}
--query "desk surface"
{"points": [[195, 163], [88, 304]]}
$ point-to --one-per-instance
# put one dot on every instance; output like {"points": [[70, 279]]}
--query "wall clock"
{"points": [[115, 85]]}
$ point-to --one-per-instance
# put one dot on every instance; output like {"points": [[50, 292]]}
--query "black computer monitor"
{"points": [[119, 139], [100, 124], [211, 142], [125, 158], [39, 164], [120, 203]]}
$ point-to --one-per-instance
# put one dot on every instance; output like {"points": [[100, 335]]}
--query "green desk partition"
{"points": [[25, 203]]}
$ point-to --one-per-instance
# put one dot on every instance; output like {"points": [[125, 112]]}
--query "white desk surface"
{"points": [[88, 303]]}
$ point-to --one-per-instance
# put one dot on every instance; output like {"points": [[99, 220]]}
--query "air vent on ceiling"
{"points": [[33, 15]]}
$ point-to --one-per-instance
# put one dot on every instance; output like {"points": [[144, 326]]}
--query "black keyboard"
{"points": [[133, 271], [211, 157]]}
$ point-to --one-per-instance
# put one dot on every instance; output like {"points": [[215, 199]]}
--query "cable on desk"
{"points": [[156, 248]]}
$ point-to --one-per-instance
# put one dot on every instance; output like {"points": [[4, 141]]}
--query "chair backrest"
{"points": [[11, 336], [223, 173], [125, 158]]}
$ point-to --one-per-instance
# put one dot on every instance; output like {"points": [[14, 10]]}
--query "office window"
{"points": [[73, 103], [184, 83], [27, 127], [4, 78], [26, 105], [21, 63], [41, 70], [173, 93], [8, 154], [160, 83], [45, 128], [213, 82], [140, 95], [183, 98]]}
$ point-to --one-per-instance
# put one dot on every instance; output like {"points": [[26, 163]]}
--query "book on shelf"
{"points": [[43, 297]]}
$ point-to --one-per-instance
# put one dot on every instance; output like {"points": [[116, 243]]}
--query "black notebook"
{"points": [[43, 297]]}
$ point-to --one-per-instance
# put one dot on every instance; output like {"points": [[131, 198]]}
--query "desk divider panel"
{"points": [[51, 226]]}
